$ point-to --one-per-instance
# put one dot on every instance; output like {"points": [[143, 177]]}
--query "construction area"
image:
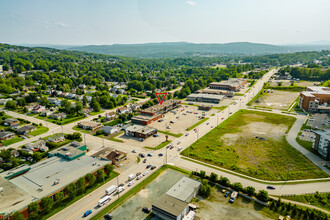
{"points": [[276, 99]]}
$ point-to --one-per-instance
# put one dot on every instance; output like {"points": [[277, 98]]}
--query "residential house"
{"points": [[110, 116], [82, 86], [71, 96], [124, 110], [46, 113], [89, 125], [4, 101], [85, 111], [36, 145], [44, 148], [89, 98], [56, 102], [109, 129], [26, 129], [14, 153], [58, 116], [37, 109], [57, 138], [11, 122], [4, 135], [30, 107], [116, 156]]}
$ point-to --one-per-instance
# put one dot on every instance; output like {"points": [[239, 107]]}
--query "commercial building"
{"points": [[25, 184], [315, 99], [210, 98], [321, 143], [232, 84], [174, 204], [140, 131], [155, 112], [116, 156]]}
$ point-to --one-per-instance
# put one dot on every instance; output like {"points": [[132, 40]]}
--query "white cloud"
{"points": [[190, 3], [61, 24]]}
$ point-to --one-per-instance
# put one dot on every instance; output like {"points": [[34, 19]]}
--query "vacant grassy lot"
{"points": [[253, 143], [40, 130], [11, 141], [321, 200]]}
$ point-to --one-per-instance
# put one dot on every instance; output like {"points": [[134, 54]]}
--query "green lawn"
{"points": [[321, 200], [221, 108], [160, 146], [67, 120], [40, 130], [169, 133], [96, 113], [270, 159], [11, 141], [65, 203], [198, 123], [113, 138], [76, 128]]}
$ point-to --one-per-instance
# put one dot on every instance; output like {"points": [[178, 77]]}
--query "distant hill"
{"points": [[183, 49]]}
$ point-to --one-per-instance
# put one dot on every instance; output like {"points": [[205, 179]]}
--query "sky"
{"points": [[105, 22]]}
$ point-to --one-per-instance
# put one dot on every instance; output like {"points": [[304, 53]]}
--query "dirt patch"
{"points": [[280, 100], [253, 130]]}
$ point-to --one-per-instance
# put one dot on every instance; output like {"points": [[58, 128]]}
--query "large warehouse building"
{"points": [[209, 98], [46, 178], [173, 205]]}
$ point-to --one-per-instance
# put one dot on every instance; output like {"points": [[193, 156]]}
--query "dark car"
{"points": [[153, 167], [270, 187], [141, 155], [108, 216], [121, 185], [145, 160], [137, 174], [160, 155], [227, 193], [148, 166], [146, 210]]}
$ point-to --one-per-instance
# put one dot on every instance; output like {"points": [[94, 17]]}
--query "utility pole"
{"points": [[118, 187], [85, 138]]}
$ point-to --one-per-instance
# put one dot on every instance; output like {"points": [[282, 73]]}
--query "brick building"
{"points": [[315, 99]]}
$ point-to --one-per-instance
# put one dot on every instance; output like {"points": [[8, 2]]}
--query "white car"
{"points": [[133, 151], [130, 183], [186, 134], [179, 148], [145, 173], [139, 177], [179, 142]]}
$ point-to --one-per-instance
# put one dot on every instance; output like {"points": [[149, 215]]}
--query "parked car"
{"points": [[179, 142], [172, 122], [160, 155], [121, 185], [149, 155], [270, 187], [153, 167], [146, 209], [133, 151], [148, 166], [155, 135], [227, 193], [179, 148], [186, 134], [141, 155], [145, 160], [87, 213], [130, 183], [145, 173], [171, 147], [108, 216]]}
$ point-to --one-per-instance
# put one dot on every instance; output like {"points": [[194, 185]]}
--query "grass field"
{"points": [[96, 113], [160, 146], [169, 133], [113, 138], [40, 130], [321, 200], [198, 123], [233, 145], [11, 141], [67, 120], [77, 128]]}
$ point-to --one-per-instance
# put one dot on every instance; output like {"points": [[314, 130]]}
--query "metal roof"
{"points": [[170, 205], [184, 188]]}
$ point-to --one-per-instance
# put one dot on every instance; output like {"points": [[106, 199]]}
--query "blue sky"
{"points": [[81, 22]]}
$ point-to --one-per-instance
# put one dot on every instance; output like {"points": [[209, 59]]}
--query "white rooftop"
{"points": [[183, 189]]}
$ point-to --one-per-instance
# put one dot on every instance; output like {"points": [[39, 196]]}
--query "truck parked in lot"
{"points": [[110, 190], [131, 177], [233, 196]]}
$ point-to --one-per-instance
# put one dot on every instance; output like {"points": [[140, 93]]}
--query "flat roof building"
{"points": [[232, 84], [321, 143], [209, 98], [140, 131], [185, 189], [315, 99]]}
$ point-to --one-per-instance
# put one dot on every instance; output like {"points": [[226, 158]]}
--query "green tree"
{"points": [[81, 185], [90, 178], [213, 177], [85, 101], [33, 209], [95, 105], [250, 191], [17, 216], [44, 101], [99, 175], [108, 169], [70, 190], [78, 107], [46, 204], [59, 197], [262, 195], [237, 186]]}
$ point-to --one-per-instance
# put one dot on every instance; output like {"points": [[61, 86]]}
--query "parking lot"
{"points": [[288, 83], [319, 121], [181, 119], [148, 142]]}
